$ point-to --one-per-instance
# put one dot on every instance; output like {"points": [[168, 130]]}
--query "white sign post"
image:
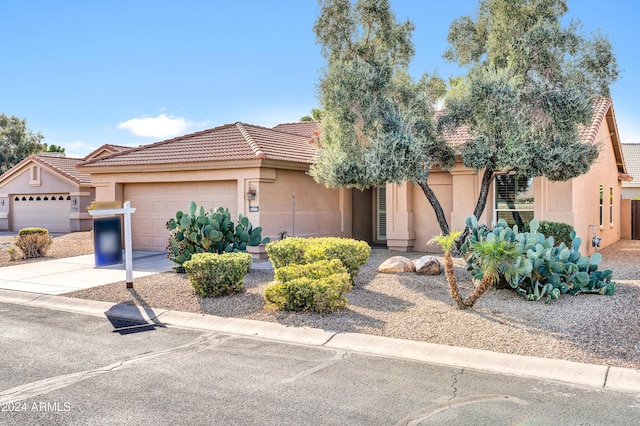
{"points": [[128, 252]]}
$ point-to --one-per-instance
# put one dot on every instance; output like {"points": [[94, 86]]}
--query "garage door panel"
{"points": [[156, 203], [50, 211]]}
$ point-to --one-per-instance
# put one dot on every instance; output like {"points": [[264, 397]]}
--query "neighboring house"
{"points": [[631, 151], [222, 167], [48, 191]]}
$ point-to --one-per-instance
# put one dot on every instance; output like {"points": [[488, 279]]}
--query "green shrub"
{"points": [[33, 242], [289, 251], [314, 271], [561, 232], [318, 295], [212, 274], [353, 254], [198, 231]]}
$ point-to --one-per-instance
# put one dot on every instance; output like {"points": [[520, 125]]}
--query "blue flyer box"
{"points": [[107, 240]]}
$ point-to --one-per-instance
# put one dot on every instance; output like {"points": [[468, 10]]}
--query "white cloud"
{"points": [[162, 126]]}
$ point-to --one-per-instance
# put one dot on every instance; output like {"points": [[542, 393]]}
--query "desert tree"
{"points": [[531, 83], [377, 123], [17, 142]]}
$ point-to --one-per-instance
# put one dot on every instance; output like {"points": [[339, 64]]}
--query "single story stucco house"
{"points": [[47, 190], [225, 166]]}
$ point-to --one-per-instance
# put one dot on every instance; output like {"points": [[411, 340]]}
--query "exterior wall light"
{"points": [[251, 193], [2, 202], [74, 201]]}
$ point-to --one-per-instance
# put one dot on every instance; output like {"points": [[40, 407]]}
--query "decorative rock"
{"points": [[396, 264], [427, 265]]}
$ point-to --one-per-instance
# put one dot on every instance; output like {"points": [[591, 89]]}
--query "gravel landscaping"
{"points": [[585, 328]]}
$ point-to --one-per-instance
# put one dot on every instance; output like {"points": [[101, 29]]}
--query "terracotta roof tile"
{"points": [[231, 142], [302, 128], [111, 148], [65, 166], [631, 152]]}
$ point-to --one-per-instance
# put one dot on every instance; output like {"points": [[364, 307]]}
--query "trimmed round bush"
{"points": [[212, 274], [352, 253], [316, 270], [302, 294]]}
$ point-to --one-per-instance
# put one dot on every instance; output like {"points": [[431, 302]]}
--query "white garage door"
{"points": [[50, 211], [156, 203]]}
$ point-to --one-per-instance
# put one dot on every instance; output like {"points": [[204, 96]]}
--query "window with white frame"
{"points": [[514, 197], [601, 204], [611, 205]]}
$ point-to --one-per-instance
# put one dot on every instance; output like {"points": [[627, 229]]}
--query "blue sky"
{"points": [[86, 73]]}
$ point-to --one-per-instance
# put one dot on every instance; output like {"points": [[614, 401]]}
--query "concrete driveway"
{"points": [[60, 276]]}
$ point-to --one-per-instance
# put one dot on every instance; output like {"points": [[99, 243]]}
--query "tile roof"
{"points": [[231, 142], [631, 152], [600, 109], [587, 134], [110, 148], [65, 166], [302, 128]]}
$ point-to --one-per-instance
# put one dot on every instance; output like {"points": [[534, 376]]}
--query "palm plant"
{"points": [[497, 258], [447, 242]]}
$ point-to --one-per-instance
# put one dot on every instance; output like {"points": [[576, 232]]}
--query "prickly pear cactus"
{"points": [[199, 231], [546, 270]]}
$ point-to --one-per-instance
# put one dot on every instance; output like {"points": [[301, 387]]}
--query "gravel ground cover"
{"points": [[64, 245], [585, 328]]}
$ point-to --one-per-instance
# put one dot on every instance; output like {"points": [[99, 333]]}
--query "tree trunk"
{"points": [[481, 204], [435, 203], [451, 280], [487, 178], [484, 285]]}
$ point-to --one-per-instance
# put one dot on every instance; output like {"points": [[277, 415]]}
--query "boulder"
{"points": [[427, 265], [396, 264]]}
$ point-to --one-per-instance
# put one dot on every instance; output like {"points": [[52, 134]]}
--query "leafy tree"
{"points": [[316, 115], [531, 83], [378, 122], [54, 148], [17, 142]]}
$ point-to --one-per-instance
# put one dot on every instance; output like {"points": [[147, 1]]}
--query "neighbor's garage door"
{"points": [[50, 211], [155, 203]]}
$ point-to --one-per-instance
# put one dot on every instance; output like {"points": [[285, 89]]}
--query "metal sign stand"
{"points": [[128, 252]]}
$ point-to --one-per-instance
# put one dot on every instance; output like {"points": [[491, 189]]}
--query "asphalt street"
{"points": [[62, 368]]}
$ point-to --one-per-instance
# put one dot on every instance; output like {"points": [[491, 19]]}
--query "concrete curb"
{"points": [[595, 376]]}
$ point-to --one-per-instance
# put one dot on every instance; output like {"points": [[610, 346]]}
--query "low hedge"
{"points": [[316, 270], [212, 274], [302, 294], [33, 242], [289, 251], [353, 254]]}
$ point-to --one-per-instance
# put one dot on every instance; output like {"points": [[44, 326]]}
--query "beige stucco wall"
{"points": [[586, 197], [319, 211], [411, 221], [49, 182], [625, 219]]}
